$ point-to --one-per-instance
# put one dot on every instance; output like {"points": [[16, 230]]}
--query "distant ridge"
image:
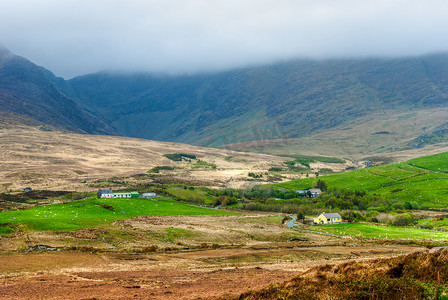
{"points": [[285, 101], [33, 95]]}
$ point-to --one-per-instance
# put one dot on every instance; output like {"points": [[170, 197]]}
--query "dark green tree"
{"points": [[321, 185]]}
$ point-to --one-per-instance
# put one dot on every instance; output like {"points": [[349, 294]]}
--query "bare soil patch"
{"points": [[165, 284], [188, 275]]}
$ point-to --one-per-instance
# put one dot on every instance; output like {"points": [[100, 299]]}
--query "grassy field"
{"points": [[93, 212], [186, 194], [438, 162], [435, 224], [422, 180], [383, 232]]}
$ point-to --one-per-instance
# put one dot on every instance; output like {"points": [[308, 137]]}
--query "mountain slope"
{"points": [[35, 96], [287, 100], [392, 133], [63, 160], [363, 106]]}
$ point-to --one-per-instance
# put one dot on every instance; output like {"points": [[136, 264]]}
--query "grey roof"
{"points": [[331, 215], [105, 191], [315, 191]]}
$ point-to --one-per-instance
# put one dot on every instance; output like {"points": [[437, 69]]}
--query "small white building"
{"points": [[105, 193], [126, 195]]}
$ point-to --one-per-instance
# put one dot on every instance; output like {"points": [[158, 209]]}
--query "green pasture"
{"points": [[382, 232], [5, 229], [93, 212], [436, 224], [422, 180], [186, 194], [438, 162]]}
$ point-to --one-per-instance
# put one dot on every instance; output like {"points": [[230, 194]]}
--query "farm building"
{"points": [[127, 195], [328, 218], [105, 193], [315, 192]]}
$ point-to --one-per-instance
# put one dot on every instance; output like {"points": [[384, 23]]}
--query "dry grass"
{"points": [[420, 275], [63, 160], [205, 256], [360, 138]]}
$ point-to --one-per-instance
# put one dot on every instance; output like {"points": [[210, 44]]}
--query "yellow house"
{"points": [[328, 218]]}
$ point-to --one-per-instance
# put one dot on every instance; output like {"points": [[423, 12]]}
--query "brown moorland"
{"points": [[193, 257], [55, 160]]}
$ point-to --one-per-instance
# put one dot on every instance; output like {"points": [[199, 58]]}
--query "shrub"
{"points": [[300, 214], [205, 164], [191, 156], [158, 168], [403, 220], [254, 175], [179, 156], [398, 206], [275, 169], [174, 156], [223, 200], [411, 205], [385, 218]]}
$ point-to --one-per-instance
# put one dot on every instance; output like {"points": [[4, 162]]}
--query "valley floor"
{"points": [[264, 252]]}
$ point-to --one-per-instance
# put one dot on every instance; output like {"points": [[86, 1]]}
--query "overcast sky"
{"points": [[75, 37]]}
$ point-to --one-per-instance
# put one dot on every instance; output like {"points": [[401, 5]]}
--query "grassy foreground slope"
{"points": [[420, 275], [421, 180], [93, 212]]}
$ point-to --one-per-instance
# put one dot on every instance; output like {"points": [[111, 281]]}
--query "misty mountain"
{"points": [[35, 96], [286, 100], [293, 99]]}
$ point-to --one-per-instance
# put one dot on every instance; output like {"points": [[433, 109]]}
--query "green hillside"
{"points": [[93, 212], [421, 182]]}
